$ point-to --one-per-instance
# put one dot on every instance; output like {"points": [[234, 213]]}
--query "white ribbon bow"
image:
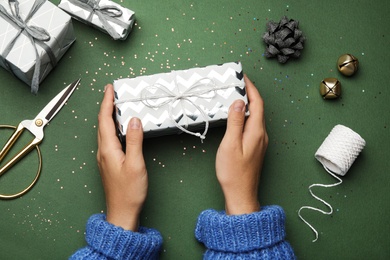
{"points": [[157, 95]]}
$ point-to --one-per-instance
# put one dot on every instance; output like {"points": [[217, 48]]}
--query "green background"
{"points": [[49, 221]]}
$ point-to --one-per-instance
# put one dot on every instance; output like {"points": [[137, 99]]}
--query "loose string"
{"points": [[321, 200], [199, 89], [336, 154]]}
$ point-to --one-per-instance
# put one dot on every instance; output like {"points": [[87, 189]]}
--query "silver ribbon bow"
{"points": [[203, 88], [106, 14], [37, 35]]}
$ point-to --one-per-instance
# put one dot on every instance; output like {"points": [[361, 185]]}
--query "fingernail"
{"points": [[239, 106], [105, 88], [135, 123]]}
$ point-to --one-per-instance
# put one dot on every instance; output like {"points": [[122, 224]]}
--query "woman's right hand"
{"points": [[241, 153]]}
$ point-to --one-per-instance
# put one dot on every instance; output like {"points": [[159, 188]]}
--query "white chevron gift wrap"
{"points": [[228, 86]]}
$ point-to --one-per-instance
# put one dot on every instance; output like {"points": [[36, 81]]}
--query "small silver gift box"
{"points": [[179, 101], [34, 40], [105, 15]]}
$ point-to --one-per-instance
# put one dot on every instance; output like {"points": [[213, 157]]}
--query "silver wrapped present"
{"points": [[34, 35], [180, 101], [108, 16]]}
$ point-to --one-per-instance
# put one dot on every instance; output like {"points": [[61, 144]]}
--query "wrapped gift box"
{"points": [[21, 53], [185, 100], [105, 15]]}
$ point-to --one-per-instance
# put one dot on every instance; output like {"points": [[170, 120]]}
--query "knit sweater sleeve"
{"points": [[259, 235], [106, 241]]}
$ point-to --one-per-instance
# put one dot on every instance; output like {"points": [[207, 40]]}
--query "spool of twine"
{"points": [[336, 154]]}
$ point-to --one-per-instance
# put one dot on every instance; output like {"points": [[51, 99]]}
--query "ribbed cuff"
{"points": [[117, 243], [241, 233]]}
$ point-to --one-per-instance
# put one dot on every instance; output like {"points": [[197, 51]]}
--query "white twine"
{"points": [[202, 88], [336, 154]]}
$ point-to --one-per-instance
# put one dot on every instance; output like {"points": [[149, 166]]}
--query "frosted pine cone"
{"points": [[283, 40]]}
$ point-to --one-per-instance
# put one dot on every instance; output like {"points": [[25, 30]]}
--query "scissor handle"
{"points": [[11, 141]]}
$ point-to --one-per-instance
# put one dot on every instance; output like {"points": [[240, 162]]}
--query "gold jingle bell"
{"points": [[347, 64], [330, 88]]}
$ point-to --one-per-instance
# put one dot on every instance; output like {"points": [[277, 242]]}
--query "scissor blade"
{"points": [[55, 105]]}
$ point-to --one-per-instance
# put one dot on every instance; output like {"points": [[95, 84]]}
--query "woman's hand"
{"points": [[124, 175], [241, 153]]}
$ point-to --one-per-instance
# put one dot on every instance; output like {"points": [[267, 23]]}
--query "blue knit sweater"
{"points": [[260, 235]]}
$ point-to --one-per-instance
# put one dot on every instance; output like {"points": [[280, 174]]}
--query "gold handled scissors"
{"points": [[35, 127]]}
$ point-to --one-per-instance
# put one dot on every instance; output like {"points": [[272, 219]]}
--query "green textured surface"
{"points": [[49, 222]]}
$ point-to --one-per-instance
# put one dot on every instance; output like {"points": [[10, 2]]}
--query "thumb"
{"points": [[235, 121], [134, 137]]}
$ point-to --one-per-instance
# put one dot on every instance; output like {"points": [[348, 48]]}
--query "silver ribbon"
{"points": [[203, 88], [106, 14], [37, 35]]}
